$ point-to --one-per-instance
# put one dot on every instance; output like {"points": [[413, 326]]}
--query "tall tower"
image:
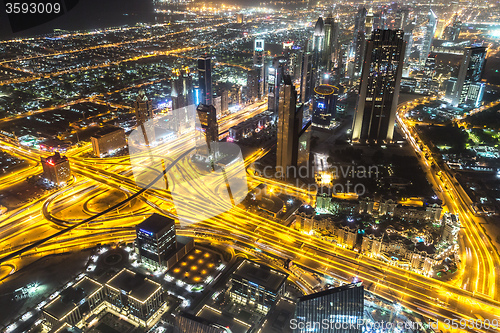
{"points": [[358, 43], [143, 108], [289, 126], [317, 50], [258, 64], [205, 79], [182, 89], [208, 124], [330, 49], [379, 88], [275, 75], [468, 88], [430, 30]]}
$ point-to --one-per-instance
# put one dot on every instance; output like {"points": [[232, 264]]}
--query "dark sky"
{"points": [[87, 14]]}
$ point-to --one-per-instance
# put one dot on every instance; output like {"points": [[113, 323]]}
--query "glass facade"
{"points": [[331, 311]]}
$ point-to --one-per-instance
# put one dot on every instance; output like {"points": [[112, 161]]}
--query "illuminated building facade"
{"points": [[107, 140], [325, 102], [430, 30], [258, 69], [208, 123], [468, 88], [188, 323], [182, 90], [143, 108], [275, 76], [205, 79], [56, 169], [141, 296], [341, 305], [375, 114], [289, 127], [156, 240], [257, 286]]}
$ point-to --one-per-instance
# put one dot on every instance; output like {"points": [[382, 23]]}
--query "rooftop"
{"points": [[260, 274], [135, 285], [106, 130], [156, 223], [330, 291], [71, 297]]}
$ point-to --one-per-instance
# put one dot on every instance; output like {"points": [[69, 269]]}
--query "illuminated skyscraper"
{"points": [[375, 114], [207, 116], [275, 76], [143, 108], [468, 88], [430, 30], [306, 76], [341, 305], [182, 89], [317, 50], [358, 43], [259, 68], [325, 101], [289, 127], [331, 47], [155, 239], [56, 169], [205, 79]]}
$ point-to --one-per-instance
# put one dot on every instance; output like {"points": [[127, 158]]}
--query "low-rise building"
{"points": [[108, 140]]}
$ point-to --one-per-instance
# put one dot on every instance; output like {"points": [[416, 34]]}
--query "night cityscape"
{"points": [[277, 166]]}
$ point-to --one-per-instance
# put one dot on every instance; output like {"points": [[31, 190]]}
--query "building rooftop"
{"points": [[70, 298], [330, 291], [106, 130], [260, 274], [133, 284], [156, 223]]}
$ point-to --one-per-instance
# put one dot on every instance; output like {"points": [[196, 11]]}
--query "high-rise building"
{"points": [[341, 308], [259, 68], [369, 20], [155, 240], [402, 18], [358, 43], [275, 76], [107, 140], [469, 75], [257, 285], [331, 41], [324, 106], [318, 42], [182, 89], [430, 30], [188, 323], [306, 76], [375, 114], [208, 124], [205, 79], [289, 127], [56, 169], [143, 108]]}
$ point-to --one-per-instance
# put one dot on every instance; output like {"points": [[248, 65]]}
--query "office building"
{"points": [[402, 18], [143, 108], [258, 69], [469, 77], [108, 140], [304, 146], [331, 43], [369, 21], [317, 51], [306, 76], [74, 303], [339, 307], [182, 89], [430, 30], [188, 323], [289, 127], [156, 240], [141, 296], [358, 43], [205, 79], [275, 77], [324, 106], [207, 116], [256, 286], [375, 114], [56, 169]]}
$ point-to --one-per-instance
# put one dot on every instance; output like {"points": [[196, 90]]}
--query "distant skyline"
{"points": [[88, 14]]}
